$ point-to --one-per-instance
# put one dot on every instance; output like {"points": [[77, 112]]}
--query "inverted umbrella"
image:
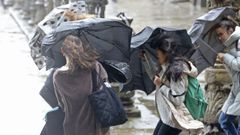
{"points": [[205, 38], [145, 69], [49, 24], [109, 37]]}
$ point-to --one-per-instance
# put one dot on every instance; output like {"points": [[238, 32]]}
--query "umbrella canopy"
{"points": [[144, 70], [49, 24], [109, 37], [57, 16], [205, 39]]}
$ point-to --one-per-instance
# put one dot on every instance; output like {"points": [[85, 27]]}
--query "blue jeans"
{"points": [[238, 124], [227, 124]]}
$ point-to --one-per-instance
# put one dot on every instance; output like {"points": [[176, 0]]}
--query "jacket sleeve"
{"points": [[176, 91], [232, 61]]}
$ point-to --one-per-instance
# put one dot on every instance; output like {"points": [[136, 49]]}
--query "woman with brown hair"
{"points": [[73, 84]]}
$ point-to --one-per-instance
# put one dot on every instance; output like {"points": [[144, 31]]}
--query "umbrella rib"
{"points": [[107, 41]]}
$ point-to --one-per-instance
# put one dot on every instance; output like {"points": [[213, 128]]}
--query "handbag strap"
{"points": [[95, 78]]}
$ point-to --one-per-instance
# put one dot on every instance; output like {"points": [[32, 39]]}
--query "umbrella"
{"points": [[109, 37], [48, 25], [140, 79], [144, 71], [205, 39]]}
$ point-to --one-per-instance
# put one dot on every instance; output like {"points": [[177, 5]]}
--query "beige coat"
{"points": [[171, 109]]}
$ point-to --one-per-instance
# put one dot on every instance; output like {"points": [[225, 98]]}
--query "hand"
{"points": [[220, 56], [157, 81]]}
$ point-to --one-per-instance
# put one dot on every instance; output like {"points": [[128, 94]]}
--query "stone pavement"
{"points": [[22, 109]]}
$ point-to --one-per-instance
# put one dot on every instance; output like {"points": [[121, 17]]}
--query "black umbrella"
{"points": [[144, 71], [149, 36], [110, 38], [205, 39], [50, 22]]}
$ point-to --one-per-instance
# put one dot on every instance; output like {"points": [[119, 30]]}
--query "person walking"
{"points": [[73, 85], [171, 86], [229, 34]]}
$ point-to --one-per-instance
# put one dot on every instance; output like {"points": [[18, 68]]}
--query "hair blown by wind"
{"points": [[79, 54]]}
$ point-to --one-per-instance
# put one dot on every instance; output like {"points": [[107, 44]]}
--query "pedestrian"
{"points": [[97, 7], [73, 85], [229, 34], [171, 86]]}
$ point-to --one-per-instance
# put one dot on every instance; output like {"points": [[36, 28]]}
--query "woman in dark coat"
{"points": [[73, 84]]}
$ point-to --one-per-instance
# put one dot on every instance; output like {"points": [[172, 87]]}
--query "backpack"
{"points": [[194, 99]]}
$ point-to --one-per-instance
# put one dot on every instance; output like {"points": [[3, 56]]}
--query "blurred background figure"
{"points": [[97, 7]]}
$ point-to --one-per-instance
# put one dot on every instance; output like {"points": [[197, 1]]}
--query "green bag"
{"points": [[194, 99]]}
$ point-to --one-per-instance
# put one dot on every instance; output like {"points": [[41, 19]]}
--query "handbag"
{"points": [[107, 106]]}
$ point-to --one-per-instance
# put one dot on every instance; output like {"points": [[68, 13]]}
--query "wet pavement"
{"points": [[155, 13], [22, 109]]}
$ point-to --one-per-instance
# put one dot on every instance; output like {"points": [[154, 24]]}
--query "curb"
{"points": [[23, 25]]}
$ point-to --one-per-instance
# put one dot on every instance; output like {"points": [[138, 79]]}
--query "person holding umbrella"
{"points": [[229, 34], [171, 84], [73, 85]]}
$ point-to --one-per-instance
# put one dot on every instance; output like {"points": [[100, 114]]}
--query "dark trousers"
{"points": [[163, 129], [227, 124]]}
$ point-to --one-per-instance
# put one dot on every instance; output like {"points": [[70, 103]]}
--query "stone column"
{"points": [[128, 102], [26, 10], [216, 91], [203, 3], [40, 11], [32, 12]]}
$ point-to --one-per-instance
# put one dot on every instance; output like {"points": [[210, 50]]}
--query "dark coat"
{"points": [[47, 91], [72, 91]]}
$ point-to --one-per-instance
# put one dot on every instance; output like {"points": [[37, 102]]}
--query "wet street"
{"points": [[155, 13], [22, 109]]}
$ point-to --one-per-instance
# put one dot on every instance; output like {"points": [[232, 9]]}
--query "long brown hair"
{"points": [[79, 54]]}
